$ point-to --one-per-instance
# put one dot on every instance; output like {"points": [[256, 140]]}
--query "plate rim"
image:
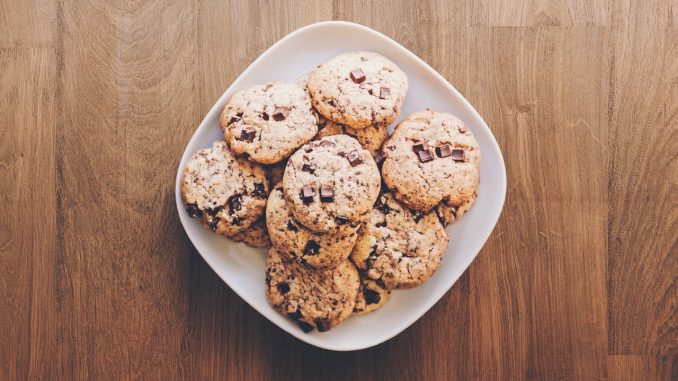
{"points": [[216, 108]]}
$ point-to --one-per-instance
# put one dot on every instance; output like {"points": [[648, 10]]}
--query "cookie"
{"points": [[255, 236], [226, 192], [331, 184], [314, 298], [268, 122], [449, 213], [430, 157], [399, 247], [358, 89], [320, 250], [371, 295], [370, 138]]}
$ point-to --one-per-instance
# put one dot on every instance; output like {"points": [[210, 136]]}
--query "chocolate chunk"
{"points": [[239, 115], [458, 155], [248, 135], [323, 325], [384, 92], [307, 194], [296, 315], [284, 288], [381, 224], [425, 155], [418, 215], [280, 113], [341, 220], [462, 129], [357, 76], [213, 211], [326, 143], [332, 103], [234, 203], [233, 120], [312, 248], [370, 91], [214, 223], [308, 168], [305, 326], [193, 210], [291, 226], [326, 194], [371, 296], [444, 151], [258, 190], [235, 220], [264, 115], [421, 146], [354, 158]]}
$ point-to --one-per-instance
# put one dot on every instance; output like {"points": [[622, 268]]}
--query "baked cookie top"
{"points": [[255, 236], [370, 138], [314, 298], [431, 156], [226, 192], [399, 247], [371, 295], [331, 184], [320, 250], [268, 122], [358, 89]]}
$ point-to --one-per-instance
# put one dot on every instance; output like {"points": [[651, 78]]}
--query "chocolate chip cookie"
{"points": [[370, 138], [226, 192], [320, 250], [358, 89], [331, 184], [430, 157], [371, 295], [255, 236], [449, 213], [268, 122], [312, 297], [399, 247]]}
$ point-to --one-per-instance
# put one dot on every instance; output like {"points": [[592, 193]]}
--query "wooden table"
{"points": [[99, 281]]}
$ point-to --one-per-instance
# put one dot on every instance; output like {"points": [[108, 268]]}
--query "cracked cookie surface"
{"points": [[358, 89], [331, 184], [430, 157], [399, 247], [227, 193], [314, 298], [320, 250], [268, 122]]}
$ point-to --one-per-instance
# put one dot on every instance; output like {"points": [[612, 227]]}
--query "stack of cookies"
{"points": [[347, 212]]}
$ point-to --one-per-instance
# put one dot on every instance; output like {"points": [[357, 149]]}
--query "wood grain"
{"points": [[99, 281]]}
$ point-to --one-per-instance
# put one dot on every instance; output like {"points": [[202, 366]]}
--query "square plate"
{"points": [[242, 267]]}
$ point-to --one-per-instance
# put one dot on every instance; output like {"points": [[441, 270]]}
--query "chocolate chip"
{"points": [[381, 224], [305, 326], [323, 325], [462, 129], [234, 203], [213, 211], [235, 220], [312, 248], [418, 215], [264, 115], [291, 226], [258, 190], [326, 194], [421, 146], [326, 143], [357, 76], [384, 92], [425, 155], [444, 151], [332, 103], [248, 135], [354, 158], [296, 315], [193, 210], [458, 155], [284, 288], [214, 223], [371, 296], [370, 91], [233, 120], [307, 194], [341, 220], [280, 113], [308, 168]]}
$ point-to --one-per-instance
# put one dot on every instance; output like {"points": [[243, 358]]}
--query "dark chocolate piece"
{"points": [[341, 220], [444, 150], [425, 155], [354, 158], [420, 146], [371, 296], [305, 326], [307, 168], [384, 92], [233, 120], [312, 248], [280, 113], [234, 203], [193, 210], [323, 325], [214, 223], [213, 211], [248, 135], [458, 155], [307, 194], [291, 226], [284, 288], [258, 190], [264, 115], [326, 194], [357, 76]]}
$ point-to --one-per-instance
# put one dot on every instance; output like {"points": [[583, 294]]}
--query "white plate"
{"points": [[242, 268]]}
